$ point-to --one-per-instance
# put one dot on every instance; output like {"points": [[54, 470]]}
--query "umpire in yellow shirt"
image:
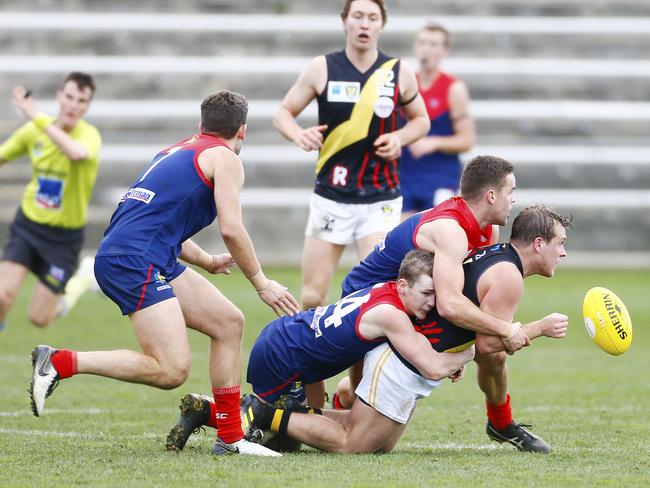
{"points": [[47, 233]]}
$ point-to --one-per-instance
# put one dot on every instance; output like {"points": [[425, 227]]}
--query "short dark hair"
{"points": [[223, 113], [482, 173], [537, 221], [380, 4], [416, 263], [436, 27], [83, 80]]}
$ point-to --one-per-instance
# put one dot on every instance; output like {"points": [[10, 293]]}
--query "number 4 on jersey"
{"points": [[343, 307]]}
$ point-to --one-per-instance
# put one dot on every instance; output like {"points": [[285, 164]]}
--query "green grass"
{"points": [[593, 408]]}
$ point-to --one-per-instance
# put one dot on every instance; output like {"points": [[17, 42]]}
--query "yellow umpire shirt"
{"points": [[60, 189]]}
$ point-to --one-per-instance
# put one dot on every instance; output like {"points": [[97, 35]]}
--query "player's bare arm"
{"points": [[464, 136], [389, 146], [192, 253], [448, 241], [74, 150], [500, 290], [386, 320], [306, 88], [226, 170]]}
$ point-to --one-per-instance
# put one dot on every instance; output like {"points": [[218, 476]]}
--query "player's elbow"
{"points": [[448, 310], [230, 230], [77, 154]]}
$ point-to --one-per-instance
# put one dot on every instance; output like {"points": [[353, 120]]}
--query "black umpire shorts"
{"points": [[51, 253]]}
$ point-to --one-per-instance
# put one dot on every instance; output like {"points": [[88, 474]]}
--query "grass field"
{"points": [[593, 408]]}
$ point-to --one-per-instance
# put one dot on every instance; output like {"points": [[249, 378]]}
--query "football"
{"points": [[607, 320]]}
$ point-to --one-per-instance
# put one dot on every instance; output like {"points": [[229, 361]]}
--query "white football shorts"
{"points": [[345, 223], [390, 387]]}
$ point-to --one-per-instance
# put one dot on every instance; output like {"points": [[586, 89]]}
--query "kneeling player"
{"points": [[494, 281], [319, 343]]}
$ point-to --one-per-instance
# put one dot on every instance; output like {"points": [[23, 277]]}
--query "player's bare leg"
{"points": [[13, 276], [492, 375], [366, 431], [319, 261], [207, 310], [45, 306], [367, 244]]}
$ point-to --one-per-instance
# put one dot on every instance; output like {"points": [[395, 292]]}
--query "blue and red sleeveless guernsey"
{"points": [[170, 201], [438, 169], [320, 342], [383, 263]]}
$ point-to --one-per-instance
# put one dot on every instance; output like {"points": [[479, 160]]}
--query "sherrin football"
{"points": [[607, 320]]}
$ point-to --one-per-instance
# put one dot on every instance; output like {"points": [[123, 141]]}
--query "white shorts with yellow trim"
{"points": [[390, 387], [345, 223]]}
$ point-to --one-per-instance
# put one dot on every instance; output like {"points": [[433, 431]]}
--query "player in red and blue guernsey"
{"points": [[323, 341], [181, 192], [430, 167], [450, 230]]}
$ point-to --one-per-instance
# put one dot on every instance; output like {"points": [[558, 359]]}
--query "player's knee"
{"points": [[174, 376], [492, 362], [312, 297], [40, 319], [7, 298]]}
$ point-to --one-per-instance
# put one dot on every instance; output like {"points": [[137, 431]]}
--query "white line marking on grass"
{"points": [[76, 411], [448, 445], [78, 435]]}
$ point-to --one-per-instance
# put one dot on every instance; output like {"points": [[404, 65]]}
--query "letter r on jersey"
{"points": [[340, 176]]}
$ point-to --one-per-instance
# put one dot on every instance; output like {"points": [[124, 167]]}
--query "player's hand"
{"points": [[457, 375], [221, 263], [554, 325], [388, 146], [517, 339], [24, 103], [311, 138], [279, 299]]}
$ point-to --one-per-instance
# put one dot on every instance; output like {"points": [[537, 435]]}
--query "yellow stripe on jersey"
{"points": [[374, 382], [356, 127], [462, 347]]}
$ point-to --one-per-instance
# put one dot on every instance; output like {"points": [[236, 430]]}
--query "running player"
{"points": [[319, 343], [47, 233], [391, 384], [181, 191], [430, 167]]}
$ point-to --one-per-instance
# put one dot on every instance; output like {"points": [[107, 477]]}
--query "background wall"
{"points": [[559, 88]]}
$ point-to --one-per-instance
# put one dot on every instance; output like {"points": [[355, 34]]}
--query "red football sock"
{"points": [[65, 363], [227, 414], [500, 415], [212, 422]]}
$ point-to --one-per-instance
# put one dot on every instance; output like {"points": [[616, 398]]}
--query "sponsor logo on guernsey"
{"points": [[343, 91], [140, 194], [315, 325]]}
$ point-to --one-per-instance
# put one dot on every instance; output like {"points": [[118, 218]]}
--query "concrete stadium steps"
{"points": [[244, 42], [440, 7], [541, 85]]}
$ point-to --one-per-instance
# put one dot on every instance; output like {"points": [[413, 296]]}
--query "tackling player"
{"points": [[450, 230], [391, 384], [179, 193], [319, 343]]}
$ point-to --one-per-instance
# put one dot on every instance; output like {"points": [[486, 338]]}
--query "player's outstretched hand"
{"points": [[221, 263], [457, 375], [311, 138], [517, 339], [23, 102], [279, 299], [555, 325], [388, 146]]}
